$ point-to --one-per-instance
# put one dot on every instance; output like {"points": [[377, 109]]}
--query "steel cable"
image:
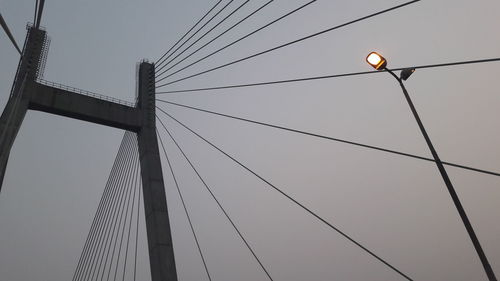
{"points": [[217, 201], [184, 206], [456, 63], [291, 42], [185, 34], [241, 38], [330, 138], [160, 66], [217, 37], [292, 199]]}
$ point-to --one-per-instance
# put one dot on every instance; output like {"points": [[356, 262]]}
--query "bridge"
{"points": [[152, 123]]}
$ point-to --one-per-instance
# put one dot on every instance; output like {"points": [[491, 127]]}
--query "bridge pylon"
{"points": [[29, 91], [161, 252], [29, 69]]}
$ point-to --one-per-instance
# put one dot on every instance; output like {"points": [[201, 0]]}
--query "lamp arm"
{"points": [[394, 75]]}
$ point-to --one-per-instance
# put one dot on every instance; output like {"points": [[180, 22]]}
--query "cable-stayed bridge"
{"points": [[110, 251]]}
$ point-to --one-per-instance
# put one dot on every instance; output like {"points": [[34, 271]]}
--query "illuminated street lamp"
{"points": [[376, 60], [380, 63]]}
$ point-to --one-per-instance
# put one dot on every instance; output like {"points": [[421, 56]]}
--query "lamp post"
{"points": [[380, 63]]}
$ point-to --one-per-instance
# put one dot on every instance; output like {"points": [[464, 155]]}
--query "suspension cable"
{"points": [[456, 63], [111, 214], [120, 208], [114, 190], [9, 34], [184, 205], [292, 199], [136, 179], [242, 38], [36, 11], [160, 66], [137, 230], [185, 34], [218, 36], [292, 42], [330, 138], [217, 201], [131, 191], [204, 34], [93, 228]]}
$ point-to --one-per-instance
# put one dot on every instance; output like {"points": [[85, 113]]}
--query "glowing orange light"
{"points": [[376, 60]]}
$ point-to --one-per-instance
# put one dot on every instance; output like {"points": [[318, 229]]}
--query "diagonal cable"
{"points": [[292, 42], [36, 11], [137, 230], [218, 36], [329, 138], [94, 253], [111, 214], [131, 192], [185, 34], [216, 200], [40, 12], [160, 66], [119, 212], [292, 199], [184, 206], [448, 64], [98, 215], [241, 38], [137, 178], [9, 34], [203, 36]]}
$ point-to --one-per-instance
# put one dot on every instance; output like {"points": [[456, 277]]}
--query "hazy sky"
{"points": [[398, 207]]}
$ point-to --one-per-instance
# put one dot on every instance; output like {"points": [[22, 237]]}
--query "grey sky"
{"points": [[397, 207]]}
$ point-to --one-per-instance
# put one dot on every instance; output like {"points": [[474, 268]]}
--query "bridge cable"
{"points": [[9, 34], [292, 199], [217, 37], [128, 188], [192, 35], [328, 76], [40, 11], [119, 190], [291, 42], [185, 34], [184, 205], [119, 211], [215, 199], [106, 211], [136, 189], [98, 214], [36, 9], [204, 34], [91, 258], [330, 138], [131, 191], [137, 229], [241, 38]]}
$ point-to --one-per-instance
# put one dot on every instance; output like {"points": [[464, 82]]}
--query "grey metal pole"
{"points": [[449, 185]]}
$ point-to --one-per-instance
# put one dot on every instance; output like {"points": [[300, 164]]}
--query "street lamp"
{"points": [[380, 63]]}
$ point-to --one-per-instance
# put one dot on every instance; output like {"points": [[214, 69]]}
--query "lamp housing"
{"points": [[406, 73], [376, 60]]}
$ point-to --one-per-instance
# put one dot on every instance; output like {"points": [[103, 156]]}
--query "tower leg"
{"points": [[10, 122], [161, 252], [15, 110]]}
